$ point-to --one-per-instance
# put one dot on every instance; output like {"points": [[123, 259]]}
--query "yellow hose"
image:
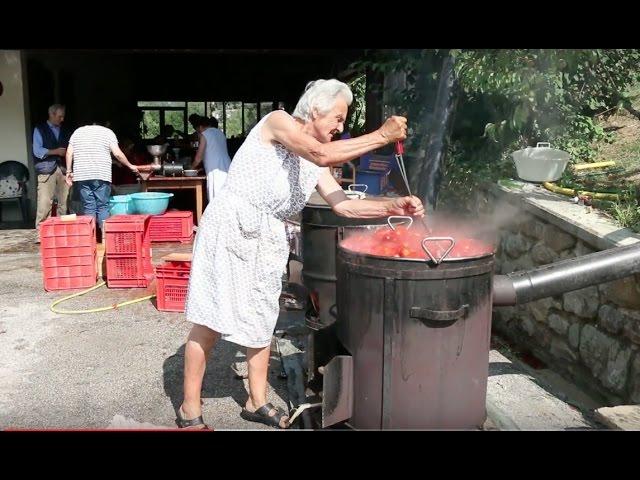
{"points": [[94, 310], [587, 166], [613, 197]]}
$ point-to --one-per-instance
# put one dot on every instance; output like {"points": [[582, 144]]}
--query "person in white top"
{"points": [[89, 153], [212, 151], [241, 247]]}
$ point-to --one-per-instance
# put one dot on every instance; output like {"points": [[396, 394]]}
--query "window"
{"points": [[161, 104], [250, 116], [176, 119], [199, 108], [216, 109], [150, 127], [233, 119], [265, 107]]}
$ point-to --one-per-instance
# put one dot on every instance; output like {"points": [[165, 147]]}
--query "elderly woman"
{"points": [[241, 246]]}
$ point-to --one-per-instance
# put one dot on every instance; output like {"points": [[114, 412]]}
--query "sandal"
{"points": [[192, 424], [262, 415]]}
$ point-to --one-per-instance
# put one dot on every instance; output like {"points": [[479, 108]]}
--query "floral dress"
{"points": [[241, 246]]}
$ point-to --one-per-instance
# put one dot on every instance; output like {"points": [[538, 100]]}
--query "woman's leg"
{"points": [[258, 362], [199, 343]]}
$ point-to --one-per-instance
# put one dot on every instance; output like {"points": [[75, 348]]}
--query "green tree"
{"points": [[357, 112], [508, 99]]}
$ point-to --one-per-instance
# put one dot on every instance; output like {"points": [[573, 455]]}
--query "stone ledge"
{"points": [[622, 417], [593, 228]]}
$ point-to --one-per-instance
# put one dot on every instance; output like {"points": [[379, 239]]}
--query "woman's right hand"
{"points": [[394, 129]]}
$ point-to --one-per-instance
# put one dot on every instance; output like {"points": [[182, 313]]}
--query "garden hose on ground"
{"points": [[588, 166], [94, 310], [613, 197]]}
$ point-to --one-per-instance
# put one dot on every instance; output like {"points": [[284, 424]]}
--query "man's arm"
{"points": [[122, 158], [69, 158], [69, 161], [38, 150]]}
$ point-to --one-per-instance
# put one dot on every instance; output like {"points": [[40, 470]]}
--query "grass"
{"points": [[624, 178]]}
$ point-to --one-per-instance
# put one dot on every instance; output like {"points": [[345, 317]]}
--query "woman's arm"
{"points": [[332, 192], [200, 153], [282, 128]]}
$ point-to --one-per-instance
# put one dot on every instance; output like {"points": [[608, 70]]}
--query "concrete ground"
{"points": [[115, 369], [123, 368]]}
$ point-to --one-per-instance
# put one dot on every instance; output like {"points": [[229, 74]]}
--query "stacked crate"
{"points": [[128, 251], [172, 281], [68, 253], [173, 226]]}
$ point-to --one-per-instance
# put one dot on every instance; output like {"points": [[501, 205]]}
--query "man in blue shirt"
{"points": [[50, 140]]}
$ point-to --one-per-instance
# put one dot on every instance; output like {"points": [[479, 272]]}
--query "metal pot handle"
{"points": [[543, 144], [366, 187], [439, 318], [410, 219], [444, 255]]}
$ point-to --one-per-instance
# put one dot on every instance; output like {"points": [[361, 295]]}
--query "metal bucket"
{"points": [[418, 334], [319, 232]]}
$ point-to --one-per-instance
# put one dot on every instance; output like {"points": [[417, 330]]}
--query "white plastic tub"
{"points": [[540, 163]]}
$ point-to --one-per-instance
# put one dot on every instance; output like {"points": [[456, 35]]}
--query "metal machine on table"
{"points": [[161, 166]]}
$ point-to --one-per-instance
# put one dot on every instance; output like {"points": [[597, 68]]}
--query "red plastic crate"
{"points": [[173, 226], [69, 283], [128, 251], [71, 271], [60, 252], [129, 271], [68, 253], [172, 281], [127, 235], [57, 233]]}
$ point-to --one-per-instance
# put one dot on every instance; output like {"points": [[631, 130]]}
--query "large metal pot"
{"points": [[416, 333], [418, 337]]}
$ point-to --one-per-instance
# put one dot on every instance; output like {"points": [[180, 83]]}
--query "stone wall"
{"points": [[591, 336]]}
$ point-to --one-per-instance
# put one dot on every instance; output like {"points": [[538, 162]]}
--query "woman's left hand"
{"points": [[409, 206]]}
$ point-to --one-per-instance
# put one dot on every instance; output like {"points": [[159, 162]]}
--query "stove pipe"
{"points": [[566, 275]]}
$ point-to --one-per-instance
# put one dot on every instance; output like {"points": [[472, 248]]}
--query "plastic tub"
{"points": [[151, 203], [126, 189], [120, 205], [540, 163]]}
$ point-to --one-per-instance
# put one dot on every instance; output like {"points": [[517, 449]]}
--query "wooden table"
{"points": [[178, 183]]}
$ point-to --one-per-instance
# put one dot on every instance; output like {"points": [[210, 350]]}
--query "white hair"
{"points": [[321, 95], [55, 107]]}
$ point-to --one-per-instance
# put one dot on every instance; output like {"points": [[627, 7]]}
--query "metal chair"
{"points": [[13, 185]]}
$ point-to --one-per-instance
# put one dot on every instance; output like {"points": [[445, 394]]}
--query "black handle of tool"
{"points": [[439, 318]]}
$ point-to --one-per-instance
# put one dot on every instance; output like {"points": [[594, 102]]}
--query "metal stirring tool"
{"points": [[403, 173], [400, 161]]}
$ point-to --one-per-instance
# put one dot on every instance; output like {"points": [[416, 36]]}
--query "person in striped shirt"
{"points": [[89, 153]]}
